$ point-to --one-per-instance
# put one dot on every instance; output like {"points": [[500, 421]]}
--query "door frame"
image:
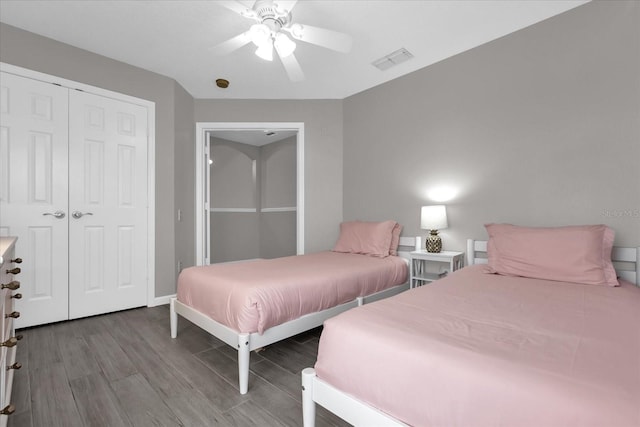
{"points": [[202, 201], [151, 147]]}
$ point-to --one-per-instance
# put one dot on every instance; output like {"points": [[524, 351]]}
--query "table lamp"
{"points": [[433, 218]]}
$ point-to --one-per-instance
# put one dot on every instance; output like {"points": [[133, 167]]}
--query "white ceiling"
{"points": [[174, 38]]}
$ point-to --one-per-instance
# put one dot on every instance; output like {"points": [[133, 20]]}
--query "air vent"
{"points": [[392, 59]]}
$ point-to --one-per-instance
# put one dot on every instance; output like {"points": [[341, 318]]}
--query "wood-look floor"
{"points": [[123, 369]]}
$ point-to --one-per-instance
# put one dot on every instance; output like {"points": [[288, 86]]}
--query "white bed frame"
{"points": [[355, 412], [245, 342]]}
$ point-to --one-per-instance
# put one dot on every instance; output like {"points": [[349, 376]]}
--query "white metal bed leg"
{"points": [[308, 405], [360, 301], [173, 318], [243, 362]]}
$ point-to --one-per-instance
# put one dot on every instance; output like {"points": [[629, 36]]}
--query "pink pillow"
{"points": [[578, 254], [395, 239], [368, 238]]}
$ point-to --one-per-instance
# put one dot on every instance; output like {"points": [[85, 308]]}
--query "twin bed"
{"points": [[479, 349], [252, 304], [539, 329]]}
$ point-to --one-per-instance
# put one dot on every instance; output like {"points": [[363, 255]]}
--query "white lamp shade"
{"points": [[265, 51], [433, 217], [259, 34]]}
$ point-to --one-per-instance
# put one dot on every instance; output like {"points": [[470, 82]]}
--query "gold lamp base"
{"points": [[433, 243]]}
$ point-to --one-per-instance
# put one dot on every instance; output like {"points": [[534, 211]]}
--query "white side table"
{"points": [[420, 274]]}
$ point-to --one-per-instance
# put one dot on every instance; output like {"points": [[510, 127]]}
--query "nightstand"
{"points": [[421, 274]]}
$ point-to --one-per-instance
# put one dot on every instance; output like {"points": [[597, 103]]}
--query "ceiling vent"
{"points": [[392, 59]]}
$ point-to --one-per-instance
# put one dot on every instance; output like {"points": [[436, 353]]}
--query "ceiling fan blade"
{"points": [[286, 4], [238, 8], [232, 44], [333, 40], [292, 67]]}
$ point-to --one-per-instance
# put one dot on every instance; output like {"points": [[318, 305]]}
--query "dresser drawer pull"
{"points": [[14, 314], [8, 410], [14, 270], [17, 296], [12, 285], [17, 260], [15, 366], [11, 342]]}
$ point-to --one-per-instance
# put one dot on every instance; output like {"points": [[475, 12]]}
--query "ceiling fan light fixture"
{"points": [[296, 30], [265, 51], [249, 13], [272, 21], [279, 10], [284, 45], [260, 34]]}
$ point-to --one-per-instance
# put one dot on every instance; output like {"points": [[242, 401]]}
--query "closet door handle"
{"points": [[57, 214], [78, 214]]}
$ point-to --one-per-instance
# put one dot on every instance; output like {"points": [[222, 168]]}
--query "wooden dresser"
{"points": [[8, 341]]}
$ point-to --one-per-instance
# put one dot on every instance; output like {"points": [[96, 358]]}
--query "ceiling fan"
{"points": [[273, 21]]}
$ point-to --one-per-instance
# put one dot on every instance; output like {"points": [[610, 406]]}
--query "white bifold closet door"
{"points": [[107, 205], [34, 193], [73, 167]]}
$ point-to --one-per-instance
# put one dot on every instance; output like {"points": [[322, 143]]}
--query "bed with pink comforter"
{"points": [[255, 295], [476, 349]]}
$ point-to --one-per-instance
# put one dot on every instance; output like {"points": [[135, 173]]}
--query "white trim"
{"points": [[251, 210], [151, 152], [164, 300], [151, 203], [201, 206], [70, 84], [202, 128], [287, 209], [300, 190], [240, 210]]}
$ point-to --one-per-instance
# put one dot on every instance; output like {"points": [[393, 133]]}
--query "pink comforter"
{"points": [[477, 349], [253, 296]]}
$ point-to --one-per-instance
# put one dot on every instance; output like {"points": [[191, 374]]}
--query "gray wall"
{"points": [[539, 128], [185, 180], [234, 235], [278, 190], [245, 176], [278, 174], [322, 153], [233, 184], [28, 50]]}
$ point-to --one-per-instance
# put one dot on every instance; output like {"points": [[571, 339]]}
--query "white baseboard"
{"points": [[162, 300]]}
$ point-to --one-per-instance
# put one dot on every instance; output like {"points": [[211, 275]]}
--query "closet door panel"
{"points": [[108, 205], [34, 187]]}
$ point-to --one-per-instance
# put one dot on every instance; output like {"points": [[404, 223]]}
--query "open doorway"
{"points": [[249, 191]]}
